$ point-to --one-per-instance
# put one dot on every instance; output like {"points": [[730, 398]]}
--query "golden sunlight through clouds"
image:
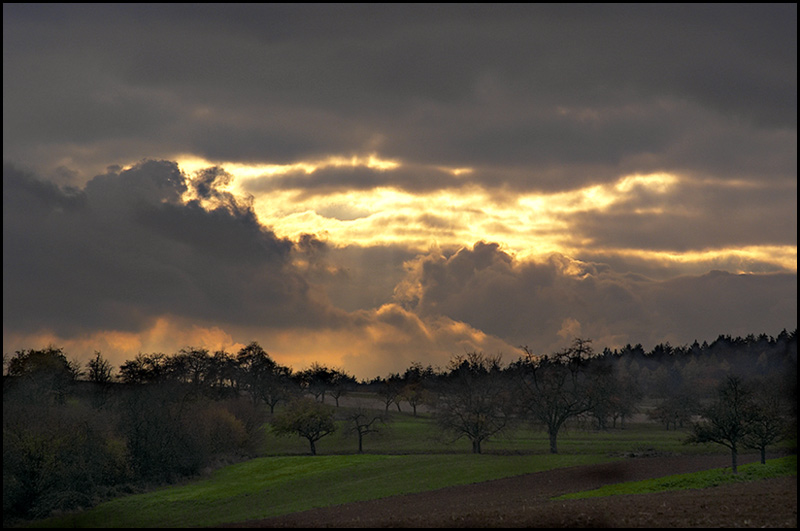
{"points": [[529, 225]]}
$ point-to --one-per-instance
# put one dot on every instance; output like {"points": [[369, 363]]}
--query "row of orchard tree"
{"points": [[477, 397], [75, 433]]}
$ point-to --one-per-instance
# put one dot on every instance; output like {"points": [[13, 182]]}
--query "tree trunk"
{"points": [[734, 459], [476, 446], [763, 455], [313, 448], [553, 442]]}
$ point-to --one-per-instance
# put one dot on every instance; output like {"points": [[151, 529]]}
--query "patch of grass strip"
{"points": [[784, 466]]}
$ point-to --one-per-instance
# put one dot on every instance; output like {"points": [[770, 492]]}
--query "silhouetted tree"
{"points": [[613, 396], [99, 369], [278, 387], [727, 420], [144, 368], [225, 375], [768, 421], [317, 380], [42, 375], [341, 384], [415, 390], [362, 422], [675, 410], [390, 390], [193, 366], [260, 375], [100, 372]]}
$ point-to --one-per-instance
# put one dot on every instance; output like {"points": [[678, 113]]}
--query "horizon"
{"points": [[360, 379]]}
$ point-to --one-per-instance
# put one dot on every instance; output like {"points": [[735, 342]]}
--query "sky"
{"points": [[368, 186]]}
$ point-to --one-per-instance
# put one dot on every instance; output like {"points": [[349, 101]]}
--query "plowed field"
{"points": [[525, 501]]}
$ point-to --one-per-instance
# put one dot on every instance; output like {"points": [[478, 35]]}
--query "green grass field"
{"points": [[409, 456], [406, 434], [272, 486]]}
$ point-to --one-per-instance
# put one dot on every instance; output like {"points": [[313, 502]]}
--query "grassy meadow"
{"points": [[272, 486], [406, 434], [409, 455]]}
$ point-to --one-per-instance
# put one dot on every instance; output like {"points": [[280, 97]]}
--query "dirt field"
{"points": [[524, 501]]}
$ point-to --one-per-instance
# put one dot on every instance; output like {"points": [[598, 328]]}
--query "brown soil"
{"points": [[524, 501]]}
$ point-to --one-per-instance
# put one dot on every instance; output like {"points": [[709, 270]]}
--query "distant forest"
{"points": [[75, 434]]}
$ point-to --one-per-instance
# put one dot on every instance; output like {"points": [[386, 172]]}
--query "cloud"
{"points": [[383, 340], [689, 221], [329, 180], [359, 277], [127, 249], [536, 303], [570, 329], [147, 258], [533, 97], [689, 214]]}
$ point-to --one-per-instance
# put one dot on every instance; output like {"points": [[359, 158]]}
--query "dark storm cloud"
{"points": [[544, 304], [693, 217], [126, 249], [593, 89]]}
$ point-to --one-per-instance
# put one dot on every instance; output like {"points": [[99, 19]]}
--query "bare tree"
{"points": [[317, 380], [341, 384], [362, 422], [144, 368], [676, 410], [415, 394], [415, 390], [769, 417], [187, 366], [278, 387], [726, 421], [99, 369], [100, 372], [554, 389], [391, 390], [475, 400], [263, 378]]}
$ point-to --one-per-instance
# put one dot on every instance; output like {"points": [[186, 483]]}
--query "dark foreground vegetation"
{"points": [[75, 435]]}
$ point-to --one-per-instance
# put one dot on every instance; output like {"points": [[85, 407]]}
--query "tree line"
{"points": [[77, 433]]}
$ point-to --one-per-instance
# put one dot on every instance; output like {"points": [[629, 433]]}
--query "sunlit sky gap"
{"points": [[529, 225]]}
